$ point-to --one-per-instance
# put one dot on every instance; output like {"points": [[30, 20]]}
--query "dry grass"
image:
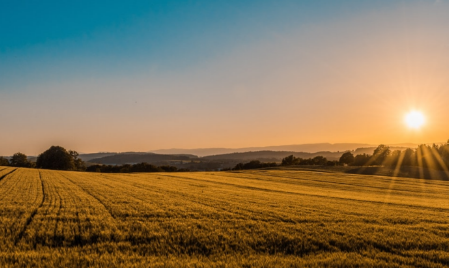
{"points": [[284, 218]]}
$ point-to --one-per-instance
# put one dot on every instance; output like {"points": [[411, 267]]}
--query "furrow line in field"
{"points": [[403, 181], [109, 210], [151, 188], [422, 193], [315, 195], [12, 185], [33, 213], [323, 182], [140, 194], [221, 205], [58, 215], [171, 193], [278, 190], [123, 188], [3, 176], [217, 202], [3, 169]]}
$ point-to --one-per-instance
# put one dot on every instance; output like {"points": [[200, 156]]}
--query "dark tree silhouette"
{"points": [[59, 158], [361, 159], [290, 160], [394, 158], [79, 164], [19, 160], [347, 158], [380, 154], [319, 160], [4, 161], [253, 165], [126, 168], [444, 152], [409, 158]]}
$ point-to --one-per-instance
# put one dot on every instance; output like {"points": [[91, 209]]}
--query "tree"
{"points": [[19, 160], [380, 154], [347, 158], [4, 161], [290, 160], [409, 157], [78, 162], [444, 153], [59, 158], [361, 159], [394, 158], [319, 160]]}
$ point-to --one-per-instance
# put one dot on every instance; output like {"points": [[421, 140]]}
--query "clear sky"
{"points": [[142, 75]]}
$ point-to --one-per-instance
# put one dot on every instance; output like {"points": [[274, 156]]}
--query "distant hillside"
{"points": [[87, 157], [132, 158], [270, 156], [225, 160], [307, 148]]}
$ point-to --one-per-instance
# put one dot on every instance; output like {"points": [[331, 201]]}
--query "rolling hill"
{"points": [[133, 158]]}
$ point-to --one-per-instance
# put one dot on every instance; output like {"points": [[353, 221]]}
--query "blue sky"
{"points": [[66, 39], [142, 75]]}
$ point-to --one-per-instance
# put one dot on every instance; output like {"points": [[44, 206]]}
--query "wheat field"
{"points": [[263, 218]]}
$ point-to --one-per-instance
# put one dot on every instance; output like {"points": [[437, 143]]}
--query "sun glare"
{"points": [[414, 119]]}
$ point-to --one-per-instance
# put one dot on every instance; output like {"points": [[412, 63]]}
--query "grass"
{"points": [[262, 218]]}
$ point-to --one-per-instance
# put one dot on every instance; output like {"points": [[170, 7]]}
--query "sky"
{"points": [[144, 75]]}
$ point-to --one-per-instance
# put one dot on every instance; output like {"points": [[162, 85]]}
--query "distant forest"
{"points": [[428, 156]]}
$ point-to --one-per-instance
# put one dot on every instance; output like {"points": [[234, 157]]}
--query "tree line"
{"points": [[58, 158], [429, 156], [127, 168], [287, 161]]}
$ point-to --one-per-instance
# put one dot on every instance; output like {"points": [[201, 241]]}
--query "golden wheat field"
{"points": [[264, 218]]}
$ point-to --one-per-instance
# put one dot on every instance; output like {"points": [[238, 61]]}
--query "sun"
{"points": [[415, 119]]}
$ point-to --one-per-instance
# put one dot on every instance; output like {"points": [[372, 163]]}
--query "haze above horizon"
{"points": [[114, 76]]}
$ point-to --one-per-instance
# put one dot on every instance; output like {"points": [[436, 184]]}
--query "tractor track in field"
{"points": [[314, 195], [109, 210], [195, 201], [3, 176], [6, 190], [33, 213], [140, 185], [294, 181]]}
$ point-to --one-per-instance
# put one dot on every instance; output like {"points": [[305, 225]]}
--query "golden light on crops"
{"points": [[415, 119]]}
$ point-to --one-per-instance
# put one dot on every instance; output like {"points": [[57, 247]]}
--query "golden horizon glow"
{"points": [[415, 119]]}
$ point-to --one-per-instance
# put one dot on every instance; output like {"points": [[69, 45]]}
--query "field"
{"points": [[264, 218]]}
